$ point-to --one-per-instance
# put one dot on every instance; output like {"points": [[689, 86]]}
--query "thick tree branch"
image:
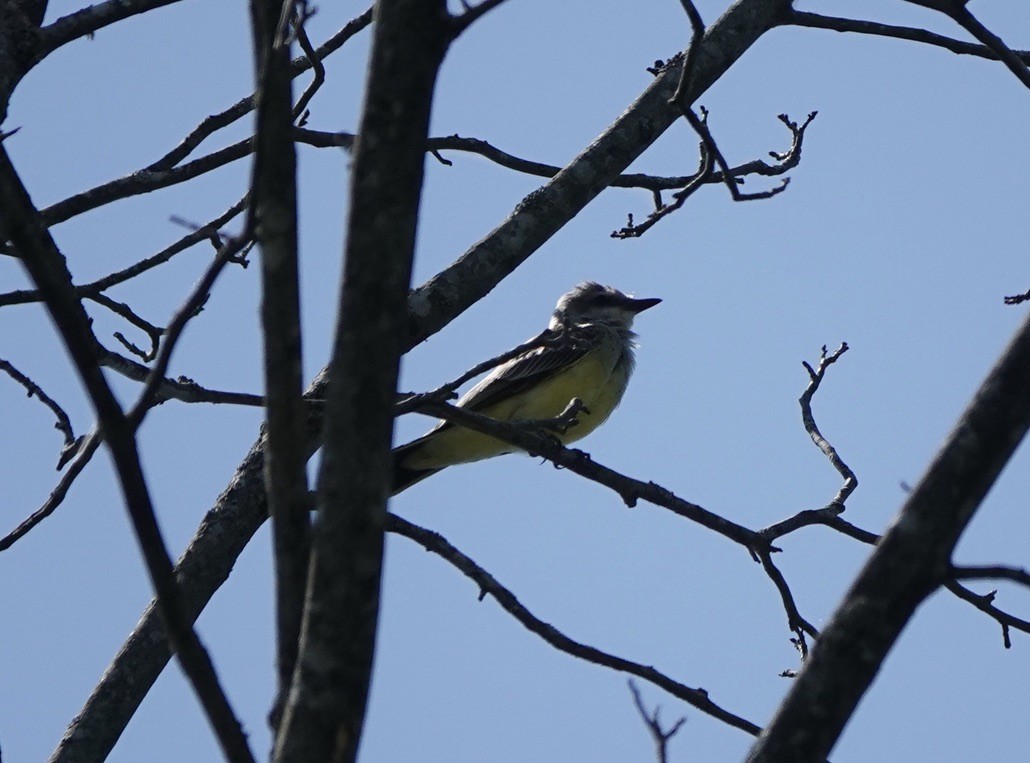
{"points": [[910, 562], [274, 218], [326, 707]]}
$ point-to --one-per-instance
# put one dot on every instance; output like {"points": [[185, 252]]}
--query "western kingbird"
{"points": [[589, 356]]}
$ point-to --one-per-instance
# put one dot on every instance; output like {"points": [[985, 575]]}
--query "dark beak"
{"points": [[640, 305]]}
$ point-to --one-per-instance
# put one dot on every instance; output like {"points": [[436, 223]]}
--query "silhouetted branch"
{"points": [[1018, 299], [991, 572], [63, 423], [182, 388], [244, 106], [815, 379], [89, 20], [653, 722], [488, 585], [470, 14], [913, 34], [273, 218], [189, 309], [209, 231], [84, 451], [729, 176], [910, 562], [23, 225], [960, 14]]}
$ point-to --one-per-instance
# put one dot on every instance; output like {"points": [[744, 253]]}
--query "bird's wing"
{"points": [[526, 371]]}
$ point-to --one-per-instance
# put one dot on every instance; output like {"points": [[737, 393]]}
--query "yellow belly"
{"points": [[598, 379]]}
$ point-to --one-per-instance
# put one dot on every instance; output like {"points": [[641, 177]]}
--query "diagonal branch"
{"points": [[912, 34], [488, 585], [910, 562], [63, 423], [22, 224]]}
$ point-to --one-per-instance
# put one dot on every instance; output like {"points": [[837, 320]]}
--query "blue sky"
{"points": [[902, 229]]}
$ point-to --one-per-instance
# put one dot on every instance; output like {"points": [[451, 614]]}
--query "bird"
{"points": [[587, 353]]}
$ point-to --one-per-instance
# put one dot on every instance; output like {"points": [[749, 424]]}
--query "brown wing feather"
{"points": [[522, 373]]}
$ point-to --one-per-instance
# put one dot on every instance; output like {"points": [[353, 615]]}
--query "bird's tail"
{"points": [[403, 476]]}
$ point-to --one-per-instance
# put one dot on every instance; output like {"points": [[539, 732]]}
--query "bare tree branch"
{"points": [[205, 232], [83, 453], [488, 585], [22, 224], [960, 13], [815, 379], [182, 388], [63, 423], [89, 20], [910, 562], [273, 214], [991, 572], [325, 711], [244, 106], [985, 603], [1018, 299], [143, 181], [653, 722], [833, 23]]}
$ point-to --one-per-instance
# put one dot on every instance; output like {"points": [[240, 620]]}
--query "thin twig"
{"points": [[244, 106], [653, 722], [120, 308], [196, 235], [815, 377], [182, 388], [299, 110], [63, 423], [730, 177], [1018, 299], [196, 299], [345, 140], [83, 453]]}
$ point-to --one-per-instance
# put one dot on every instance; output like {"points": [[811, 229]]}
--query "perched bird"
{"points": [[588, 355]]}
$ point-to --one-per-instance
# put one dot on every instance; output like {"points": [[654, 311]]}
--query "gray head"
{"points": [[591, 302]]}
